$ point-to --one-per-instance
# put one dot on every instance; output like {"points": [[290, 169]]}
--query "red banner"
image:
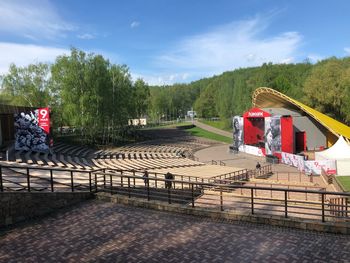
{"points": [[44, 119]]}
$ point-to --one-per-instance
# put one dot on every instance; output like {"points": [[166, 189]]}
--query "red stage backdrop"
{"points": [[287, 134], [254, 126]]}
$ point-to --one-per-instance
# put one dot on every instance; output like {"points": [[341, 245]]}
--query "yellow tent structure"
{"points": [[269, 98]]}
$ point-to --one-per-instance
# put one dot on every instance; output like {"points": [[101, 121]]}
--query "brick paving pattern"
{"points": [[104, 232]]}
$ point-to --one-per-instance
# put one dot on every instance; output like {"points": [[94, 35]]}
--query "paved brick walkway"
{"points": [[106, 232]]}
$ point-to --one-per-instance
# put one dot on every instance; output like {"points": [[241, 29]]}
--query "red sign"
{"points": [[44, 119]]}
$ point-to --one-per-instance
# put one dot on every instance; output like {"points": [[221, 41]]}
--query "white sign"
{"points": [[251, 150], [255, 114], [315, 167], [293, 160]]}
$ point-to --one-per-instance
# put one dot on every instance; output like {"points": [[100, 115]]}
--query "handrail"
{"points": [[194, 192], [235, 186], [48, 168]]}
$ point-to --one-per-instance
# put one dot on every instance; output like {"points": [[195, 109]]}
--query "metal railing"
{"points": [[243, 174], [299, 203], [189, 191]]}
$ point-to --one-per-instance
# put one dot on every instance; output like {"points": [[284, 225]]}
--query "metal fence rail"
{"points": [[308, 204], [189, 191]]}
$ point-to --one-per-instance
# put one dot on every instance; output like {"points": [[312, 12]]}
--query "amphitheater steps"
{"points": [[55, 159]]}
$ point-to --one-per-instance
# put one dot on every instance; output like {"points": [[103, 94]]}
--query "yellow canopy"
{"points": [[270, 98]]}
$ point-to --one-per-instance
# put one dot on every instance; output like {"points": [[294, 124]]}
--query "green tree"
{"points": [[141, 97], [327, 87], [27, 86]]}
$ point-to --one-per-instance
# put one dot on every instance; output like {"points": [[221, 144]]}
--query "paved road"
{"points": [[213, 129], [105, 232]]}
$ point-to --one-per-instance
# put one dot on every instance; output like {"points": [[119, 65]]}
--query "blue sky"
{"points": [[172, 41]]}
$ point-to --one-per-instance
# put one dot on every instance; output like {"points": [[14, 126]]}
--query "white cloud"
{"points": [[314, 58], [163, 79], [86, 36], [231, 46], [32, 19], [347, 50], [23, 55], [135, 24]]}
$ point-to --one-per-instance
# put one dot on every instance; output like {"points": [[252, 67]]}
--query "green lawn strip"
{"points": [[209, 135], [168, 125], [216, 124], [344, 181]]}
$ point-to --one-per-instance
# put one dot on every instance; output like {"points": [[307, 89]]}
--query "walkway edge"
{"points": [[330, 227]]}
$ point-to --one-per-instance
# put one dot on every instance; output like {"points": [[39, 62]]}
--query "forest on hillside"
{"points": [[324, 86], [87, 91]]}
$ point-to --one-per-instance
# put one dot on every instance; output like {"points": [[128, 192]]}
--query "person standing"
{"points": [[168, 183], [258, 168], [145, 178]]}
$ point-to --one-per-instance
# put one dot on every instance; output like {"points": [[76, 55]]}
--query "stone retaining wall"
{"points": [[332, 227], [16, 207]]}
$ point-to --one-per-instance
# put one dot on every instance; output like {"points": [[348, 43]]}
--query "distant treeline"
{"points": [[324, 86], [87, 91]]}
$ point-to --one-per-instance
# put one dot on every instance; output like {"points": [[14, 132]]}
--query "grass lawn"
{"points": [[169, 125], [209, 135], [217, 124], [344, 181]]}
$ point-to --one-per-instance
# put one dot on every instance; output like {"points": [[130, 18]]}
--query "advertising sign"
{"points": [[251, 150], [238, 132], [272, 134], [32, 130], [293, 160], [44, 119], [316, 167]]}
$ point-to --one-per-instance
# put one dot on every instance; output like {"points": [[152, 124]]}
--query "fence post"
{"points": [[192, 196], [148, 197], [322, 198], [51, 179], [71, 180], [129, 194], [111, 183], [221, 200], [104, 180], [95, 181], [285, 204], [134, 179], [182, 182], [90, 183], [1, 185], [252, 199], [28, 179]]}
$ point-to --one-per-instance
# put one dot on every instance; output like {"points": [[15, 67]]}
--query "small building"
{"points": [[138, 122]]}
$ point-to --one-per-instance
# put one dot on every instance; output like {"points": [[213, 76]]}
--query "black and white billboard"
{"points": [[238, 132], [32, 130], [272, 134]]}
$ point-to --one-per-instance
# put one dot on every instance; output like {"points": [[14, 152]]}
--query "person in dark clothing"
{"points": [[169, 176], [145, 178], [258, 168]]}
